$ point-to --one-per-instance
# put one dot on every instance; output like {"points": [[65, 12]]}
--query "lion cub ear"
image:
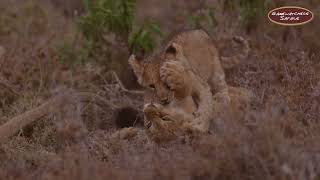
{"points": [[174, 51], [136, 66]]}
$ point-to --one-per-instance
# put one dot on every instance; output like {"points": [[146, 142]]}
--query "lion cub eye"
{"points": [[151, 86]]}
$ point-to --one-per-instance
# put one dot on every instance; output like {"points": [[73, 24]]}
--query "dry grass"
{"points": [[279, 141]]}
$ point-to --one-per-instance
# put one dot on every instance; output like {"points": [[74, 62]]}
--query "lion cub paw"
{"points": [[153, 114], [173, 74]]}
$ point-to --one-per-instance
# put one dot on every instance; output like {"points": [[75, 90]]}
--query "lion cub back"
{"points": [[202, 56]]}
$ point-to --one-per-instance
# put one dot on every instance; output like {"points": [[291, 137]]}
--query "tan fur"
{"points": [[189, 68], [202, 56], [182, 113], [186, 89], [237, 108]]}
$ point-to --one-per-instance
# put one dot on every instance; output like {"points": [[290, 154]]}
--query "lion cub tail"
{"points": [[229, 62]]}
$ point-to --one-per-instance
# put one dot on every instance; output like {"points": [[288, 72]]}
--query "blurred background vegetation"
{"points": [[48, 46]]}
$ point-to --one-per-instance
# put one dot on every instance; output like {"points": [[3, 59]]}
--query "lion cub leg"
{"points": [[175, 76], [185, 84]]}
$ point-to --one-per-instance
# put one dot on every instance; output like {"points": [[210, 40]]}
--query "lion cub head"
{"points": [[147, 72]]}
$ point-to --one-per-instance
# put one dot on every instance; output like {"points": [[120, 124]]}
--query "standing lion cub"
{"points": [[182, 80]]}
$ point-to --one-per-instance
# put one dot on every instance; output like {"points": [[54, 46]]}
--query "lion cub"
{"points": [[178, 111], [187, 73]]}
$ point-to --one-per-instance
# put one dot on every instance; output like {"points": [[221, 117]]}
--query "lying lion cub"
{"points": [[182, 80]]}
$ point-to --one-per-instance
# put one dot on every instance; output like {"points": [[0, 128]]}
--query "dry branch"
{"points": [[15, 124], [53, 105], [114, 74], [87, 97]]}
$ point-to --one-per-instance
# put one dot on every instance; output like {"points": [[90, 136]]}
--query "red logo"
{"points": [[290, 15]]}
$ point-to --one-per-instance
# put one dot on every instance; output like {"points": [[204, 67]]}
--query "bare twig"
{"points": [[114, 74], [96, 99], [286, 70]]}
